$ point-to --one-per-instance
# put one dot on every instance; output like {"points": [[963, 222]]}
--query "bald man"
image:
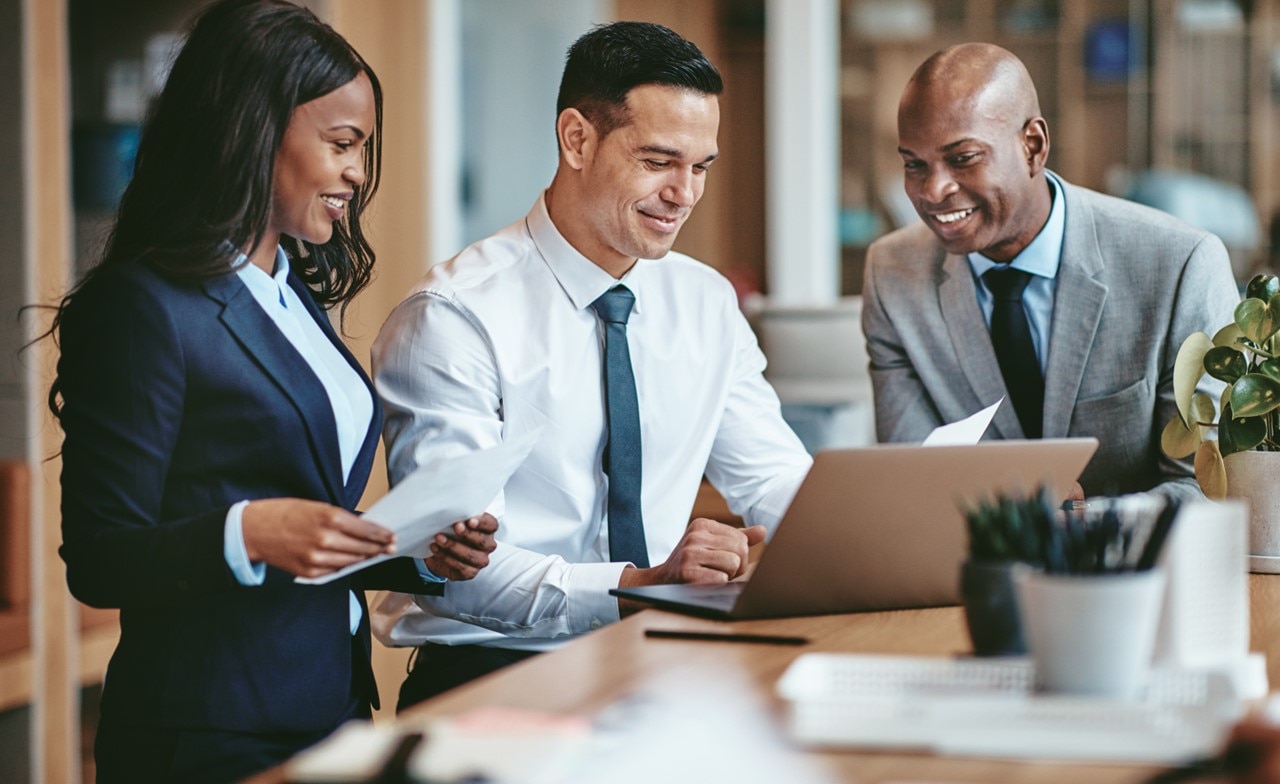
{"points": [[1069, 303]]}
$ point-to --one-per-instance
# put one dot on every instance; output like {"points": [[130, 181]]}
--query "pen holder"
{"points": [[1091, 634]]}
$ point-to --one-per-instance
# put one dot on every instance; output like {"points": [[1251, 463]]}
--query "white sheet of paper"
{"points": [[437, 495], [967, 431]]}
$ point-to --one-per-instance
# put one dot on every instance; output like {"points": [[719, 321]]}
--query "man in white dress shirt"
{"points": [[503, 339]]}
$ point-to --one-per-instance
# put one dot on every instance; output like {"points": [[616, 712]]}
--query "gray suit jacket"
{"points": [[1132, 284]]}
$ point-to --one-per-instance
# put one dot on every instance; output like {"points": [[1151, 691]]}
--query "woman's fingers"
{"points": [[310, 538], [357, 535]]}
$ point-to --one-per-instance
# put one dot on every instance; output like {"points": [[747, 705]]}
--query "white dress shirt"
{"points": [[348, 397], [501, 340]]}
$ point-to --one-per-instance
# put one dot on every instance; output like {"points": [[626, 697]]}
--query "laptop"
{"points": [[878, 528]]}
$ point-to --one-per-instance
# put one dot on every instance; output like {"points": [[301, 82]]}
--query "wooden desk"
{"points": [[589, 674]]}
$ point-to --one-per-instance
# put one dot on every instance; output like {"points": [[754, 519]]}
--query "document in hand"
{"points": [[965, 432], [441, 492]]}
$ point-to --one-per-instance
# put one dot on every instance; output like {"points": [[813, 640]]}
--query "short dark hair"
{"points": [[202, 180], [610, 60]]}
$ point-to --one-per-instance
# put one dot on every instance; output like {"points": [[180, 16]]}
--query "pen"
{"points": [[767, 639], [1159, 533]]}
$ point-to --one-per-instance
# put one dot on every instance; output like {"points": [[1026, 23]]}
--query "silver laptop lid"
{"points": [[881, 527]]}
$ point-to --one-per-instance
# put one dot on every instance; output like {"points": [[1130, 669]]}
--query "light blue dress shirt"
{"points": [[1041, 258], [349, 398]]}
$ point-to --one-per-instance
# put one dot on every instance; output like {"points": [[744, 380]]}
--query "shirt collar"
{"points": [[258, 280], [1044, 254], [580, 278]]}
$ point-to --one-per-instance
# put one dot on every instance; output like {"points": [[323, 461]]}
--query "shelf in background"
{"points": [[98, 639]]}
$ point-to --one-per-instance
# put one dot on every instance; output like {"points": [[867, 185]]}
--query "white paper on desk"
{"points": [[966, 432], [437, 495]]}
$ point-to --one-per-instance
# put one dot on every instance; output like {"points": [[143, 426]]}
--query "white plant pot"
{"points": [[1255, 477], [1090, 634]]}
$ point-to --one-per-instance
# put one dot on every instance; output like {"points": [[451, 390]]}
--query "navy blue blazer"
{"points": [[180, 400]]}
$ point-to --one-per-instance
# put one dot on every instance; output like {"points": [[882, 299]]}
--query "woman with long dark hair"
{"points": [[217, 432]]}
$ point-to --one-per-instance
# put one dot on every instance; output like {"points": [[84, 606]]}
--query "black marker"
{"points": [[767, 639]]}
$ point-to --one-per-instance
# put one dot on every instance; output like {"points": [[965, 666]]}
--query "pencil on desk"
{"points": [[767, 639]]}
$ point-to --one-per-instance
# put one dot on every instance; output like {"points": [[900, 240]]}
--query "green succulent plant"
{"points": [[1244, 354], [1008, 528]]}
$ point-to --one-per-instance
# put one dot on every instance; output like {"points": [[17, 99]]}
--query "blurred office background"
{"points": [[1172, 102]]}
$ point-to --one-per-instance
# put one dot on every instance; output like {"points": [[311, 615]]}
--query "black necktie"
{"points": [[1011, 338], [622, 451]]}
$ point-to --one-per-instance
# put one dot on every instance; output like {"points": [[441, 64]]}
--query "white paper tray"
{"points": [[989, 708]]}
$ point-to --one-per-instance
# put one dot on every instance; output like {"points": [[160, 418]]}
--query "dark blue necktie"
{"points": [[622, 451], [1011, 338]]}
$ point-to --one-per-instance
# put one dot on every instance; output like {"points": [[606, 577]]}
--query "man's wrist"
{"points": [[633, 575]]}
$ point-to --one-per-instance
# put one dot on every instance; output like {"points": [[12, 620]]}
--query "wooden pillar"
{"points": [[395, 38], [415, 218], [46, 194]]}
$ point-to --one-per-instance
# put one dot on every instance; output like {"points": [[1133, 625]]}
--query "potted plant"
{"points": [[1003, 531], [1090, 614], [1242, 460], [1033, 533]]}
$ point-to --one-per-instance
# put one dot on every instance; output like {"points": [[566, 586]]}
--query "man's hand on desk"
{"points": [[462, 554], [1076, 493], [709, 552]]}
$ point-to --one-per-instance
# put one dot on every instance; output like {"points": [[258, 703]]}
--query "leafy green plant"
{"points": [[1244, 354]]}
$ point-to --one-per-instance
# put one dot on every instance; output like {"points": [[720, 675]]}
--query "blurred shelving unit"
{"points": [[1125, 85], [1091, 118]]}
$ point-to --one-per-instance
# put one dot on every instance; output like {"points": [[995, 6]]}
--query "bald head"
{"points": [[982, 77], [974, 148]]}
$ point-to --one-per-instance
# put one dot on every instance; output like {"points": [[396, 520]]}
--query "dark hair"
{"points": [[201, 187], [606, 63]]}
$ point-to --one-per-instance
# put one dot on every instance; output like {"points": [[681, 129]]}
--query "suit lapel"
{"points": [[1077, 310], [968, 331], [363, 464], [260, 337]]}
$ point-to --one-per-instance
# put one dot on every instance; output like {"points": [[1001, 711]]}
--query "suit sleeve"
{"points": [[123, 389], [904, 410], [1204, 301]]}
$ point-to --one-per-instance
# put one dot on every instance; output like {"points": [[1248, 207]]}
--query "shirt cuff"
{"points": [[233, 549], [589, 602], [354, 612], [426, 574]]}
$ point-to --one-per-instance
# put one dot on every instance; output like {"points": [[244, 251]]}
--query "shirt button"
{"points": [[595, 623]]}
